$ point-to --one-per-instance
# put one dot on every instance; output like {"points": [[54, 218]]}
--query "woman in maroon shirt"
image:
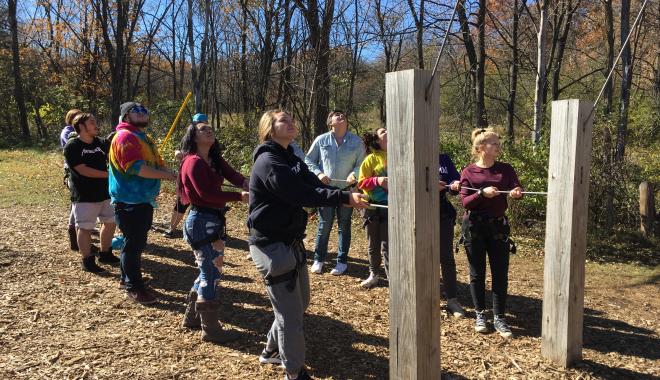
{"points": [[203, 171], [485, 228]]}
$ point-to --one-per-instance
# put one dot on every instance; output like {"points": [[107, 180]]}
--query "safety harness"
{"points": [[493, 222], [290, 277], [222, 232]]}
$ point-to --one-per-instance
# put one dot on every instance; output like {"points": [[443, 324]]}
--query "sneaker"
{"points": [[370, 282], [302, 375], [270, 357], [480, 324], [169, 233], [501, 327], [317, 267], [455, 308], [89, 265], [142, 296], [339, 269]]}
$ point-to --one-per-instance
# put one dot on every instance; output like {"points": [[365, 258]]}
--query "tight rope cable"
{"points": [[442, 48], [508, 191], [623, 46]]}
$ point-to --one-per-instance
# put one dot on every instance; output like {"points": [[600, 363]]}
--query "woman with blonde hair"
{"points": [[280, 186], [485, 227]]}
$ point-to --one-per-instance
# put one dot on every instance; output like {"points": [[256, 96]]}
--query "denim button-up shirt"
{"points": [[335, 161]]}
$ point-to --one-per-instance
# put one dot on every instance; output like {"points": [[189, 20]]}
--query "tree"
{"points": [[16, 71]]}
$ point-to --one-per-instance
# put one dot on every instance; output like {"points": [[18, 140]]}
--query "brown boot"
{"points": [[212, 331], [191, 317]]}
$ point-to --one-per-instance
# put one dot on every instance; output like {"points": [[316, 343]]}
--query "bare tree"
{"points": [[16, 70]]}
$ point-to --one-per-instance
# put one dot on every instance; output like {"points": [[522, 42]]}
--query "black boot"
{"points": [[89, 265], [73, 238], [107, 257], [191, 317], [212, 331]]}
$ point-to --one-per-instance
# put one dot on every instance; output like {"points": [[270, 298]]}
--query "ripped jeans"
{"points": [[199, 225]]}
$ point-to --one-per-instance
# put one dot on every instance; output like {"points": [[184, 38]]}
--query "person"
{"points": [[179, 209], [336, 154], [485, 227], [373, 182], [67, 131], [280, 186], [449, 182], [136, 169], [87, 158], [203, 171]]}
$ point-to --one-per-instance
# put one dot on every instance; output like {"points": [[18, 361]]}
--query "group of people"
{"points": [[121, 177]]}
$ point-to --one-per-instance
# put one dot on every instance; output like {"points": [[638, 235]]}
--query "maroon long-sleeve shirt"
{"points": [[500, 175], [199, 185]]}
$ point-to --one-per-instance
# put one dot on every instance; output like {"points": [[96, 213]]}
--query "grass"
{"points": [[31, 177]]}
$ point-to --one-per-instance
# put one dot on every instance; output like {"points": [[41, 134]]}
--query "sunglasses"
{"points": [[140, 109], [203, 127]]}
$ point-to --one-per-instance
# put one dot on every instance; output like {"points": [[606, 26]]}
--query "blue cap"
{"points": [[200, 118]]}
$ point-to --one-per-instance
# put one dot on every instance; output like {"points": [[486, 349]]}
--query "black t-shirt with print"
{"points": [[95, 156]]}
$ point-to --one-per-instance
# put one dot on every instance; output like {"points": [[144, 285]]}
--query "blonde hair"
{"points": [[266, 124], [479, 136], [68, 119]]}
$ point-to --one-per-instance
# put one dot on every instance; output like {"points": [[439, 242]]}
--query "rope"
{"points": [[641, 10], [508, 191], [442, 48]]}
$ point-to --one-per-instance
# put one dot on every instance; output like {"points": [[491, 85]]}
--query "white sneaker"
{"points": [[317, 267], [455, 308], [370, 282], [339, 269]]}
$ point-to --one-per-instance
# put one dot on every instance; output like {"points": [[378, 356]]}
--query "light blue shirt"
{"points": [[336, 161]]}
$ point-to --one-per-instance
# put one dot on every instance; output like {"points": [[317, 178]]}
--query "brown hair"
{"points": [[370, 140], [68, 119], [80, 118], [332, 113], [479, 136], [266, 124]]}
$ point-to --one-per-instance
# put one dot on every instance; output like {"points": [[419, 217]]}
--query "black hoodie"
{"points": [[280, 186]]}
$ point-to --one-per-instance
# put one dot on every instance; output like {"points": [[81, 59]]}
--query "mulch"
{"points": [[58, 322]]}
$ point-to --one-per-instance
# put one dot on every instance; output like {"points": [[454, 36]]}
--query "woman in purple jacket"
{"points": [[485, 228]]}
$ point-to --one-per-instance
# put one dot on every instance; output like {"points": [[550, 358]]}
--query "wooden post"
{"points": [[414, 241], [566, 231], [646, 209]]}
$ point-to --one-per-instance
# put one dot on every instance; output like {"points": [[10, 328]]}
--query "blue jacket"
{"points": [[280, 186], [448, 174], [335, 161]]}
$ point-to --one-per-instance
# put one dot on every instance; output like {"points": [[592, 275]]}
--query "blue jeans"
{"points": [[134, 221], [326, 217], [198, 226]]}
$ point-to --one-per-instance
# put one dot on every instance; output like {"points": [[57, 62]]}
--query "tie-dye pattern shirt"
{"points": [[373, 166], [130, 149]]}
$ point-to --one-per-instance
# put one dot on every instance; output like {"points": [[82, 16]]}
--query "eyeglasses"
{"points": [[140, 109]]}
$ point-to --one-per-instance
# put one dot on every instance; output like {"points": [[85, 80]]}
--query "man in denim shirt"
{"points": [[335, 157]]}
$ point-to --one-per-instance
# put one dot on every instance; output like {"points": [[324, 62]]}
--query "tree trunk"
{"points": [[482, 119], [419, 26], [469, 46], [626, 81], [513, 75], [609, 31], [16, 71], [540, 73]]}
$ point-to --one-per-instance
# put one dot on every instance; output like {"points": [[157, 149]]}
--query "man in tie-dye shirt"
{"points": [[135, 171]]}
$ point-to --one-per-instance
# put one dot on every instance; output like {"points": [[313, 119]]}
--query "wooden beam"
{"points": [[566, 231], [414, 226]]}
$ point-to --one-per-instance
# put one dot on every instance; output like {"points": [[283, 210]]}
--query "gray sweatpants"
{"points": [[286, 334]]}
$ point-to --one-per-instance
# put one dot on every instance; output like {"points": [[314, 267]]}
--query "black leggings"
{"points": [[487, 237], [447, 262]]}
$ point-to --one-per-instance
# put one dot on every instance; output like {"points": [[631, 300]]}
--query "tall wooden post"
{"points": [[646, 209], [414, 242], [566, 230]]}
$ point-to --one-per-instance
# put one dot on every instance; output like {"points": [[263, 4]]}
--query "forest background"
{"points": [[504, 63]]}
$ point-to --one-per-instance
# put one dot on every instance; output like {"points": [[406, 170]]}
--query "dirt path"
{"points": [[58, 322]]}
